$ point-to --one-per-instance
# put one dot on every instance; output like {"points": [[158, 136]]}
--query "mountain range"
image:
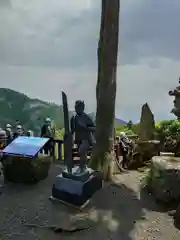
{"points": [[16, 107], [118, 121]]}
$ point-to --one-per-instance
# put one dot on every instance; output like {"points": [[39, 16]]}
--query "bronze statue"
{"points": [[83, 128]]}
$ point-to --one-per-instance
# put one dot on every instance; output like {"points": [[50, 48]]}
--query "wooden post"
{"points": [[102, 154], [60, 151]]}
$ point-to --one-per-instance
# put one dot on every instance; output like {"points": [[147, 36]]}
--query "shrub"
{"points": [[167, 128], [168, 132]]}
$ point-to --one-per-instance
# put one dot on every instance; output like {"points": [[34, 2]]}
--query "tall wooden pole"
{"points": [[106, 86]]}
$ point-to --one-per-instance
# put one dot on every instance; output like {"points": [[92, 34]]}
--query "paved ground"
{"points": [[119, 211]]}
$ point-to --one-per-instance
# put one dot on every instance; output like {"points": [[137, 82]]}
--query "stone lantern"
{"points": [[176, 94]]}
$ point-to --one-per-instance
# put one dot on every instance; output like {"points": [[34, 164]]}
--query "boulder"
{"points": [[163, 179], [143, 153], [26, 170]]}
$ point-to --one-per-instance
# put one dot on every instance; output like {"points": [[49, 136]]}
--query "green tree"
{"points": [[102, 154], [130, 125]]}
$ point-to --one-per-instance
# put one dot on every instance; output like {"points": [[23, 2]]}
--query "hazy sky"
{"points": [[49, 45]]}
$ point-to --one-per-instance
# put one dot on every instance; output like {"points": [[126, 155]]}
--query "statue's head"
{"points": [[79, 107]]}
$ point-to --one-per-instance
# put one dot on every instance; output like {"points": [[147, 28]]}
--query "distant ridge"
{"points": [[30, 113], [120, 121], [117, 120]]}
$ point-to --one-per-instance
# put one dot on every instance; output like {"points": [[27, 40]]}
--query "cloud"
{"points": [[50, 45], [150, 29], [48, 33], [136, 84]]}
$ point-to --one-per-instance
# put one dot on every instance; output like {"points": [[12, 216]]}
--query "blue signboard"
{"points": [[25, 146]]}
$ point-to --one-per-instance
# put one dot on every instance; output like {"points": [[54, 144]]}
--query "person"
{"points": [[30, 133], [48, 131], [18, 131], [9, 133], [3, 139], [83, 129], [124, 144]]}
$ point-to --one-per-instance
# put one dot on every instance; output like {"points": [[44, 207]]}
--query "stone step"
{"points": [[167, 154]]}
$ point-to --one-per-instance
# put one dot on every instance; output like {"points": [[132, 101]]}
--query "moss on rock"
{"points": [[26, 170]]}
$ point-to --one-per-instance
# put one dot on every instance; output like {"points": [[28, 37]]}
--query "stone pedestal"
{"points": [[76, 189]]}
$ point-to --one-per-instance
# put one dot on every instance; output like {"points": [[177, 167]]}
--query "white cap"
{"points": [[122, 134], [47, 120]]}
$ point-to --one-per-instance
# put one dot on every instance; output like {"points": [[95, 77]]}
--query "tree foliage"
{"points": [[168, 128]]}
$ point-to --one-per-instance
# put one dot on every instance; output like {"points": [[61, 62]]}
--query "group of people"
{"points": [[8, 134]]}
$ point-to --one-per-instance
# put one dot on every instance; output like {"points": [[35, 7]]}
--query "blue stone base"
{"points": [[77, 189]]}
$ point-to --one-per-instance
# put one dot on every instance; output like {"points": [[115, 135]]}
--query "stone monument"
{"points": [[147, 124], [176, 94], [146, 146]]}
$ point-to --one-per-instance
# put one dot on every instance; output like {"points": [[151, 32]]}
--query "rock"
{"points": [[143, 153], [145, 147], [148, 148], [26, 170], [147, 124], [163, 179], [176, 217]]}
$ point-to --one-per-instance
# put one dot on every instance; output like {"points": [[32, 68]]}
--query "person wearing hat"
{"points": [[124, 145], [30, 133], [3, 138], [18, 131], [9, 133], [48, 131]]}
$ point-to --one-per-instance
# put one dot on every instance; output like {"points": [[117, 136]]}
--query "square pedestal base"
{"points": [[75, 192]]}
